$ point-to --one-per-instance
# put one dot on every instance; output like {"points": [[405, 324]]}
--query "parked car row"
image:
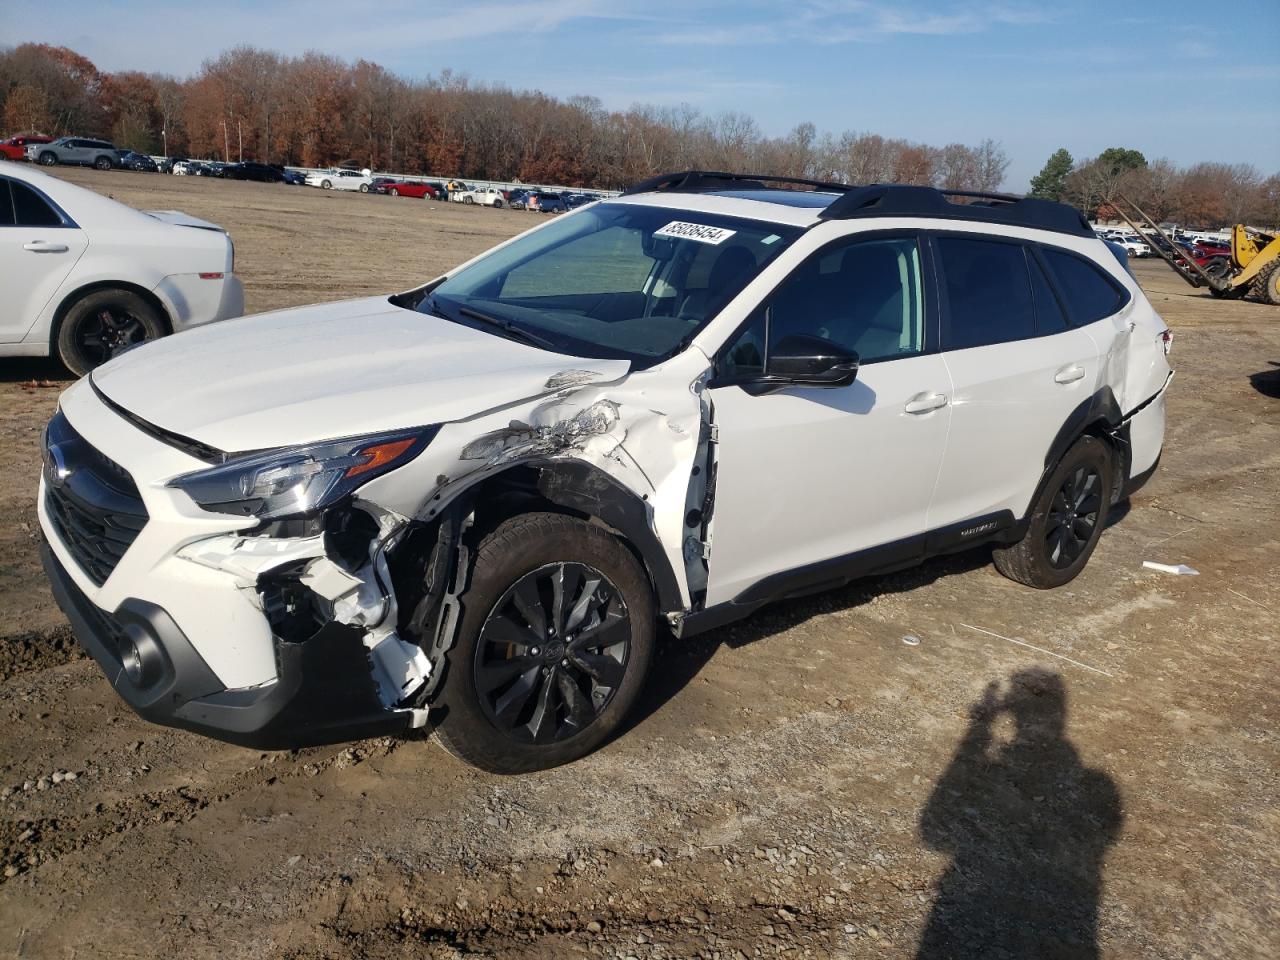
{"points": [[104, 156]]}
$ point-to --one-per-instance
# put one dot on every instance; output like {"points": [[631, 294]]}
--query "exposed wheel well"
{"points": [[71, 299], [577, 490]]}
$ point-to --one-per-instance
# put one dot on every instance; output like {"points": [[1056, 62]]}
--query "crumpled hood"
{"points": [[331, 370]]}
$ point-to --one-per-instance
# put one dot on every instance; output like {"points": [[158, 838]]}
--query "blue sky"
{"points": [[1164, 77]]}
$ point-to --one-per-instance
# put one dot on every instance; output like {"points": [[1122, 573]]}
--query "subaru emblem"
{"points": [[56, 470]]}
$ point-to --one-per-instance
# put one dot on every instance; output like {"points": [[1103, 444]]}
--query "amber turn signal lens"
{"points": [[379, 455]]}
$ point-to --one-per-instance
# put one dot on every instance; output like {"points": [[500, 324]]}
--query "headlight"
{"points": [[299, 480]]}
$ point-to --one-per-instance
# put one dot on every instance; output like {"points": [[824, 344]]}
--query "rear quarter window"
{"points": [[1090, 294], [29, 210]]}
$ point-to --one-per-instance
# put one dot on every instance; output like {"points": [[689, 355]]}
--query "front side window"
{"points": [[865, 297], [614, 280], [988, 293]]}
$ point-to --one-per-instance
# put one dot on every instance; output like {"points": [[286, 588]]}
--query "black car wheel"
{"points": [[556, 638], [102, 163], [48, 158], [1067, 520], [104, 324]]}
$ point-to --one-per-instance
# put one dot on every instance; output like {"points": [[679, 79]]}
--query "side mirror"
{"points": [[810, 361]]}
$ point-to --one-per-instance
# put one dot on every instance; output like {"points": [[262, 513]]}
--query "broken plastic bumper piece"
{"points": [[324, 692]]}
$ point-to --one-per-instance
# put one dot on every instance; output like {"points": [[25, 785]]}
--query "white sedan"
{"points": [[85, 277], [341, 180]]}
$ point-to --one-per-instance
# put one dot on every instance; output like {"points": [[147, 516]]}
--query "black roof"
{"points": [[805, 199], [878, 200]]}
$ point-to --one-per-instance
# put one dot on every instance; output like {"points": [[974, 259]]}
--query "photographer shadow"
{"points": [[1027, 825]]}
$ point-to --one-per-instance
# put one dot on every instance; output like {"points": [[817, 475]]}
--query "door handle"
{"points": [[925, 402], [1069, 374], [44, 246]]}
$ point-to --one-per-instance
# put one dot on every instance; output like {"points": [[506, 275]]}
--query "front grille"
{"points": [[92, 502]]}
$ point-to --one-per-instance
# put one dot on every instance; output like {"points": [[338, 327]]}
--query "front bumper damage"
{"points": [[342, 670], [313, 700]]}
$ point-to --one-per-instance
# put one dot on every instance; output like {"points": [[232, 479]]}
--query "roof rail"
{"points": [[897, 200], [698, 181], [891, 200]]}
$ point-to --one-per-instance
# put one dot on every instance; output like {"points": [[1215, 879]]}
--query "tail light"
{"points": [[1166, 341]]}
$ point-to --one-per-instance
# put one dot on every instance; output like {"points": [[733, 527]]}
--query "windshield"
{"points": [[614, 280]]}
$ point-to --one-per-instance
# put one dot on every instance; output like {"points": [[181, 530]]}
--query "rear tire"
{"points": [[497, 204], [394, 192], [533, 682], [1067, 520], [102, 324]]}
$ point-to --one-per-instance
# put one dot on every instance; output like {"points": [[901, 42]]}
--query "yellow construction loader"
{"points": [[1253, 264]]}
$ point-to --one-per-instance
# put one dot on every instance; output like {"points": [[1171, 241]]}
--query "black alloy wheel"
{"points": [[1073, 516], [107, 331], [102, 325], [552, 653]]}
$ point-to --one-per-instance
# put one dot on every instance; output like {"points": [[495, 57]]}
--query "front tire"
{"points": [[1267, 285], [102, 163], [102, 325], [48, 159], [1066, 520], [326, 185], [394, 192], [364, 188], [497, 204], [555, 642]]}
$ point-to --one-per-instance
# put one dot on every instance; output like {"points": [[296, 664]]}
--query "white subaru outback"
{"points": [[475, 502]]}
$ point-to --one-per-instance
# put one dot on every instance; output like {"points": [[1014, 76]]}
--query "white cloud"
{"points": [[855, 21]]}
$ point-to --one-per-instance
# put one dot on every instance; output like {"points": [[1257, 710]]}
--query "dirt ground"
{"points": [[1063, 774]]}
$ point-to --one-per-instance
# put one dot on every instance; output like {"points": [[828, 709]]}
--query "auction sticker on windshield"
{"points": [[680, 230]]}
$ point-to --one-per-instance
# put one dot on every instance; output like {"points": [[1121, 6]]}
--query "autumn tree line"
{"points": [[1204, 194], [316, 110]]}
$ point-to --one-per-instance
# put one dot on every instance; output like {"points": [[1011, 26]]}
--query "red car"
{"points": [[406, 189], [15, 148]]}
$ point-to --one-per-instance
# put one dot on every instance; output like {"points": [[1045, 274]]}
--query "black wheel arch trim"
{"points": [[584, 489], [588, 489]]}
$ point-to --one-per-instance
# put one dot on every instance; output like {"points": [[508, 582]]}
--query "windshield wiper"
{"points": [[506, 326]]}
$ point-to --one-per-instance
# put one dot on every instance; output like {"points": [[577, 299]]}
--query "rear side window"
{"points": [[1049, 315], [30, 210], [1090, 294], [6, 204], [988, 293]]}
